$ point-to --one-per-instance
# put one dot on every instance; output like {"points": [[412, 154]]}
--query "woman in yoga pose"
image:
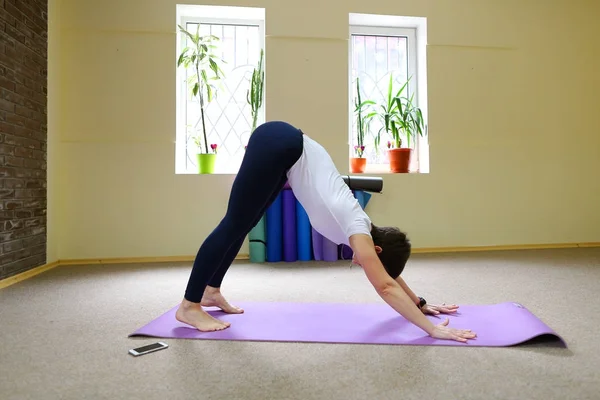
{"points": [[278, 152]]}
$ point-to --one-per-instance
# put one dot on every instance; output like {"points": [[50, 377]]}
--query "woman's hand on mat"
{"points": [[433, 309], [441, 331]]}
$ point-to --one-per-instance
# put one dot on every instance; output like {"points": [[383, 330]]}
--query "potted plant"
{"points": [[400, 116], [254, 95], [201, 57], [206, 161], [410, 123], [363, 118]]}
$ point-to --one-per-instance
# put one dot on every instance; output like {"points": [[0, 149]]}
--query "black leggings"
{"points": [[272, 150]]}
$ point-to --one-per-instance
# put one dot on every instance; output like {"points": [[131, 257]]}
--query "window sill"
{"points": [[227, 167], [381, 169], [370, 169]]}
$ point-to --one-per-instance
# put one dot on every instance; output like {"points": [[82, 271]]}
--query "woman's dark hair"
{"points": [[395, 248]]}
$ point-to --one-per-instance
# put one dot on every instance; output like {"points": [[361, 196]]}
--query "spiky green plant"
{"points": [[254, 95], [363, 119], [389, 111], [409, 120], [399, 114]]}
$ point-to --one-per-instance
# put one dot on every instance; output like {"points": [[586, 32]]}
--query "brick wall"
{"points": [[23, 134]]}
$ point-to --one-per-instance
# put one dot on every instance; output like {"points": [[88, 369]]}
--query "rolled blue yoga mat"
{"points": [[258, 241], [303, 236], [274, 216], [367, 196], [360, 196], [290, 252]]}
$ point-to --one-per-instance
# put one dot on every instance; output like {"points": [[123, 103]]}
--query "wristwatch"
{"points": [[422, 302]]}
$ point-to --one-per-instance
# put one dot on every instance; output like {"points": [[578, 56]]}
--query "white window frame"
{"points": [[181, 88], [389, 26]]}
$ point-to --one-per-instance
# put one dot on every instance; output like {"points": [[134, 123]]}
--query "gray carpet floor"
{"points": [[63, 334]]}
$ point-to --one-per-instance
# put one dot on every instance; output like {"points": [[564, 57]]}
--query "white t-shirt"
{"points": [[332, 209]]}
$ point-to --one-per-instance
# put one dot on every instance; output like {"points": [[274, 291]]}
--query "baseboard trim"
{"points": [[590, 244], [136, 260], [466, 249], [166, 259], [27, 274]]}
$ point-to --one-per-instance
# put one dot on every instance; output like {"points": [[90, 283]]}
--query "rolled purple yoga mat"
{"points": [[317, 242], [346, 252], [290, 246], [330, 250]]}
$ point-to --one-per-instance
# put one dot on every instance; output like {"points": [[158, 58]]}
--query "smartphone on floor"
{"points": [[150, 348]]}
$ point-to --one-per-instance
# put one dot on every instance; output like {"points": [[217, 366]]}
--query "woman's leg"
{"points": [[212, 296], [217, 279], [272, 149]]}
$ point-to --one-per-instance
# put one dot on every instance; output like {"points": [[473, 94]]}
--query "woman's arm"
{"points": [[429, 308], [389, 289], [408, 291], [393, 294]]}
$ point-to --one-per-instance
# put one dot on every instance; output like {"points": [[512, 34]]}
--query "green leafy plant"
{"points": [[198, 142], [363, 119], [254, 95], [409, 120], [389, 112], [399, 115], [201, 57]]}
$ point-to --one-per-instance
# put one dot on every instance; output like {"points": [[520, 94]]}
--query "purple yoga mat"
{"points": [[330, 250], [317, 242], [290, 246], [496, 325], [346, 252]]}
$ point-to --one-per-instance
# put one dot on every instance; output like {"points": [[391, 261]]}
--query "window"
{"points": [[380, 47], [228, 117]]}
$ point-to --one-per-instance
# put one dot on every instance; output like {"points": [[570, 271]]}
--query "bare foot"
{"points": [[213, 298], [193, 314]]}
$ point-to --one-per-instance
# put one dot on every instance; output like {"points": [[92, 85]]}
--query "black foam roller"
{"points": [[372, 184]]}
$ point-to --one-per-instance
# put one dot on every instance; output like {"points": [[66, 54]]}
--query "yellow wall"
{"points": [[513, 113], [54, 80]]}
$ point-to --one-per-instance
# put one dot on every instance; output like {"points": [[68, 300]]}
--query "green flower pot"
{"points": [[206, 163]]}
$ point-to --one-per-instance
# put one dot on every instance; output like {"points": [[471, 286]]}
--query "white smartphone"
{"points": [[148, 349]]}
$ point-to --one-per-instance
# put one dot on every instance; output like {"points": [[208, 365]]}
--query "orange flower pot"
{"points": [[357, 165], [399, 160]]}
